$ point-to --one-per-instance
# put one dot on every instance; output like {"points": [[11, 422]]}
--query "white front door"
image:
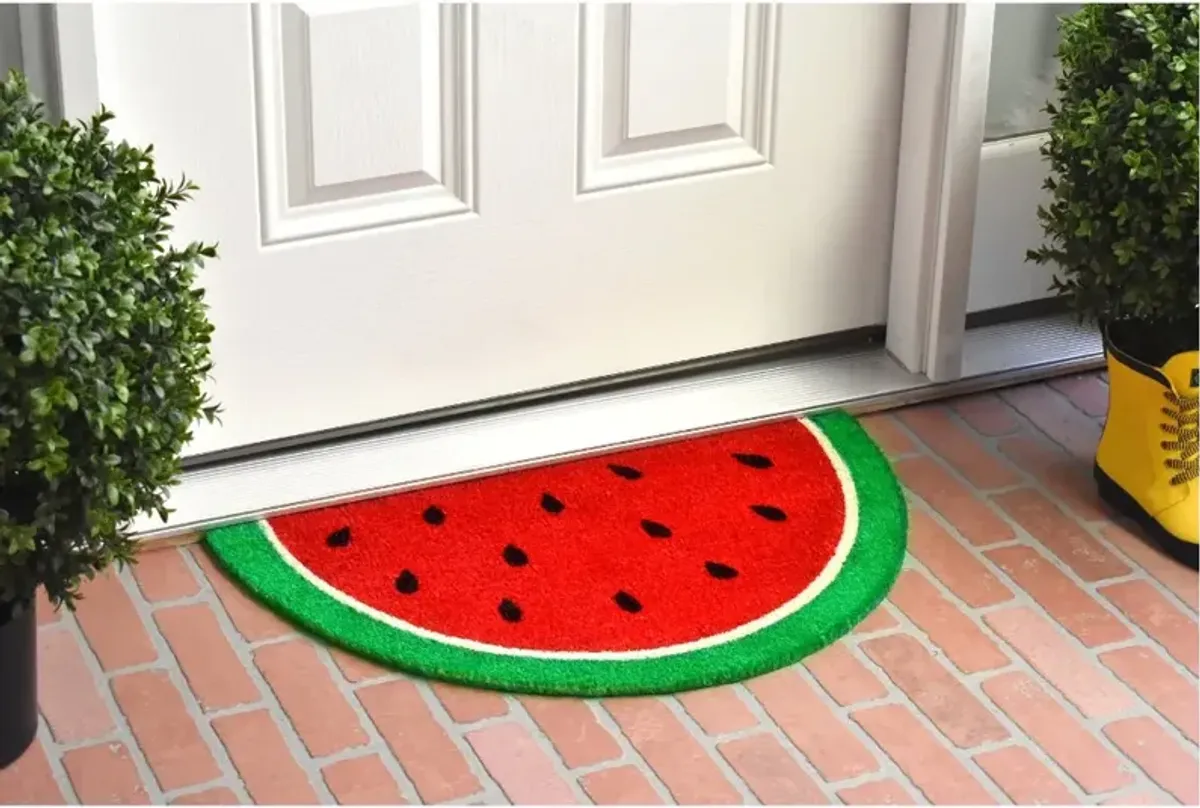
{"points": [[421, 206]]}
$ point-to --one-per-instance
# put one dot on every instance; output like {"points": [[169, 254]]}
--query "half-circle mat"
{"points": [[664, 568]]}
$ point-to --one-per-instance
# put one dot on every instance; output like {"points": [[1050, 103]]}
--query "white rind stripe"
{"points": [[824, 579]]}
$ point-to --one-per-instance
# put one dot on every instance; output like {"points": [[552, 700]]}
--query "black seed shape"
{"points": [[627, 602], [625, 472], [514, 556], [754, 461], [434, 515], [339, 537], [406, 583], [722, 572], [656, 530], [510, 611], [769, 512], [552, 504]]}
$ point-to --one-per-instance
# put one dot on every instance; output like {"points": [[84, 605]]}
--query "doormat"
{"points": [[658, 569]]}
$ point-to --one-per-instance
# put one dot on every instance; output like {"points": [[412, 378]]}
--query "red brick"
{"points": [[1155, 615], [105, 775], [45, 611], [1083, 684], [260, 755], [164, 731], [164, 575], [1161, 757], [843, 677], [933, 425], [821, 736], [252, 621], [774, 777], [986, 414], [467, 705], [1139, 798], [930, 766], [572, 727], [213, 671], [1062, 474], [1061, 534], [1053, 729], [1054, 415], [1024, 778], [323, 719], [209, 796], [945, 624], [879, 620], [70, 701], [1076, 610], [679, 760], [1152, 677], [718, 710], [935, 691], [523, 771], [953, 564], [970, 515], [111, 624], [355, 668], [29, 781], [434, 764], [877, 792], [890, 436], [622, 785], [1179, 579], [1087, 393], [362, 781]]}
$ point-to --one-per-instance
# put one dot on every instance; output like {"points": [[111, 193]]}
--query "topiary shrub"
{"points": [[104, 346], [1122, 223]]}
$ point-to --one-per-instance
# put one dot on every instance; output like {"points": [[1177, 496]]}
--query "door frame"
{"points": [[929, 352], [945, 100]]}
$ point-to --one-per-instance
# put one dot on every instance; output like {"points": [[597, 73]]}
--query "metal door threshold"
{"points": [[858, 381]]}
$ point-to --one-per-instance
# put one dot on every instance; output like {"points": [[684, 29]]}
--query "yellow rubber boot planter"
{"points": [[1147, 462]]}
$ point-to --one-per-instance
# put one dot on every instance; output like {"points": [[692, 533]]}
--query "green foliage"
{"points": [[104, 346], [1122, 151]]}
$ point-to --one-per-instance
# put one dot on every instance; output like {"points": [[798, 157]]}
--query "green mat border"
{"points": [[870, 569]]}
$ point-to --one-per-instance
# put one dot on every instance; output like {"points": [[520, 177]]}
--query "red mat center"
{"points": [[642, 549]]}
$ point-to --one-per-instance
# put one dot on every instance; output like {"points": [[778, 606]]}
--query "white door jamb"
{"points": [[945, 100]]}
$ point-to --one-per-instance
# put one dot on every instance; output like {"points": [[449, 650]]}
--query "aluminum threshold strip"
{"points": [[859, 381]]}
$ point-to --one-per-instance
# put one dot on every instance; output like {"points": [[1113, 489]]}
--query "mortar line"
{"points": [[1017, 736], [102, 683], [1093, 726], [605, 719], [268, 701], [887, 767], [376, 744], [489, 788]]}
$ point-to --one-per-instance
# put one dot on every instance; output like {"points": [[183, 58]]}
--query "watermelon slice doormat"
{"points": [[658, 569]]}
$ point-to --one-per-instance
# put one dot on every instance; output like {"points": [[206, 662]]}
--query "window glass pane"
{"points": [[1023, 67]]}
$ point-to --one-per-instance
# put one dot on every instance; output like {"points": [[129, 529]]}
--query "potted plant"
{"points": [[104, 347], [1121, 227]]}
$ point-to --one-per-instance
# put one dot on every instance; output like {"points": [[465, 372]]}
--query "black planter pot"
{"points": [[18, 682]]}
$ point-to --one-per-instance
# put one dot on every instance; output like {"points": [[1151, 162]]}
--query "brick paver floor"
{"points": [[1032, 651]]}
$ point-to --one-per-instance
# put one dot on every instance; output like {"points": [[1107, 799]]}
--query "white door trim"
{"points": [[72, 36], [945, 101]]}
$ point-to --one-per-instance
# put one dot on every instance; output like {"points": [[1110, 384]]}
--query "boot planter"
{"points": [[18, 681], [1147, 462]]}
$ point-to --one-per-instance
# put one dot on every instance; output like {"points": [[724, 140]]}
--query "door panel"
{"points": [[420, 206]]}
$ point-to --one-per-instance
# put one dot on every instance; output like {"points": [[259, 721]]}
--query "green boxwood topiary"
{"points": [[1122, 223], [104, 347]]}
